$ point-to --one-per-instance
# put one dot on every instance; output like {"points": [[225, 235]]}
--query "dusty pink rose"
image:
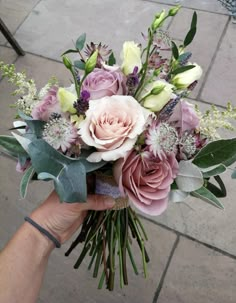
{"points": [[102, 82], [112, 125], [49, 105], [146, 180], [184, 117]]}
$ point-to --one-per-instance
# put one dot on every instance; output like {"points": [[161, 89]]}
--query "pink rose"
{"points": [[184, 117], [112, 125], [49, 105], [146, 180], [101, 83]]}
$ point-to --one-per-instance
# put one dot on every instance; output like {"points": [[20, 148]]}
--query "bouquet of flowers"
{"points": [[125, 131]]}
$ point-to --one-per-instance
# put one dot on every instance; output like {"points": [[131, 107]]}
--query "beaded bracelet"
{"points": [[44, 232]]}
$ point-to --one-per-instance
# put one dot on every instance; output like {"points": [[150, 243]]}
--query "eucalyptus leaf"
{"points": [[24, 142], [25, 181], [79, 64], [189, 177], [183, 58], [24, 116], [11, 146], [233, 176], [111, 59], [80, 42], [69, 175], [216, 152], [36, 127], [205, 195], [219, 169], [182, 69], [175, 50], [176, 196]]}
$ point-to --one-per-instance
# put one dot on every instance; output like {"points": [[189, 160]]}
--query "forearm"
{"points": [[22, 265]]}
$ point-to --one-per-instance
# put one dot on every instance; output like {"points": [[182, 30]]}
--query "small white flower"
{"points": [[161, 139], [60, 134]]}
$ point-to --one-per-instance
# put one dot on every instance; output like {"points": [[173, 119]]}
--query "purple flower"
{"points": [[184, 117], [103, 83], [49, 105]]}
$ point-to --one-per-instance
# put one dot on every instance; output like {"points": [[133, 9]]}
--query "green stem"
{"points": [[101, 281], [124, 247], [82, 255], [132, 259], [98, 260], [119, 249]]}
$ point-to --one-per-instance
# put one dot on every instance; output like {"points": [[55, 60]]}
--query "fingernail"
{"points": [[109, 202]]}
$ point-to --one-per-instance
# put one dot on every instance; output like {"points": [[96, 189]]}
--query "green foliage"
{"points": [[219, 169], [175, 50], [111, 59], [193, 29], [79, 64], [217, 152], [204, 194], [80, 42], [25, 181], [182, 69], [11, 146]]}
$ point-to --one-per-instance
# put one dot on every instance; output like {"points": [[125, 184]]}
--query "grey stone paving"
{"points": [[194, 273]]}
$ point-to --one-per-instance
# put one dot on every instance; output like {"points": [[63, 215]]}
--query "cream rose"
{"points": [[131, 56], [112, 125], [156, 95]]}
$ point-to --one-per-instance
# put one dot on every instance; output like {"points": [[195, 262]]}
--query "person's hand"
{"points": [[63, 219]]}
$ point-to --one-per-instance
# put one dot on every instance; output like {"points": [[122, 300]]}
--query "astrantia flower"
{"points": [[187, 146], [161, 138], [60, 134]]}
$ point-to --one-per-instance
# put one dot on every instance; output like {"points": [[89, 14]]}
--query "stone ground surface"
{"points": [[192, 245]]}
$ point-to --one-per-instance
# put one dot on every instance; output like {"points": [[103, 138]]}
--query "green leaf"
{"points": [[79, 64], [183, 58], [25, 181], [221, 184], [111, 59], [175, 50], [194, 20], [69, 51], [36, 127], [91, 166], [24, 142], [233, 176], [217, 152], [24, 116], [182, 69], [205, 195], [219, 169], [190, 35], [189, 177], [176, 196], [11, 146], [80, 42], [69, 175]]}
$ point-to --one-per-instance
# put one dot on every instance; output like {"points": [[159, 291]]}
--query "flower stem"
{"points": [[119, 250], [124, 247]]}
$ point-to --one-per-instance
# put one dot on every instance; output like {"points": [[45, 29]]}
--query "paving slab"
{"points": [[207, 5], [199, 274], [220, 84], [206, 40], [13, 13], [52, 25], [63, 284], [203, 221], [7, 55]]}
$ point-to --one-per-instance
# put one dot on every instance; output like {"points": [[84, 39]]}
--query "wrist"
{"points": [[43, 245]]}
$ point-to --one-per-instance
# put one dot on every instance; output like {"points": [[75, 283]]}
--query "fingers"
{"points": [[99, 202]]}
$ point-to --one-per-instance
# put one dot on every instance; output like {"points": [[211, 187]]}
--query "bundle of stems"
{"points": [[107, 236]]}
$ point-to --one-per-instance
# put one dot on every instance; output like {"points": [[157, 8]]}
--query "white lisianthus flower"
{"points": [[131, 56], [112, 125], [183, 80], [156, 95], [66, 100]]}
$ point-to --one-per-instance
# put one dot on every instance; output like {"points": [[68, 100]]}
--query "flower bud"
{"points": [[158, 20], [174, 10], [183, 80], [91, 62], [67, 62], [156, 95], [131, 56], [66, 100]]}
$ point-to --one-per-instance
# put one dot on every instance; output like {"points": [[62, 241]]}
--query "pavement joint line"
{"points": [[213, 58], [180, 234], [182, 6], [207, 102], [162, 280]]}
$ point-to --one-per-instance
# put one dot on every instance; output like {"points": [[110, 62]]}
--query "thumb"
{"points": [[99, 202]]}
